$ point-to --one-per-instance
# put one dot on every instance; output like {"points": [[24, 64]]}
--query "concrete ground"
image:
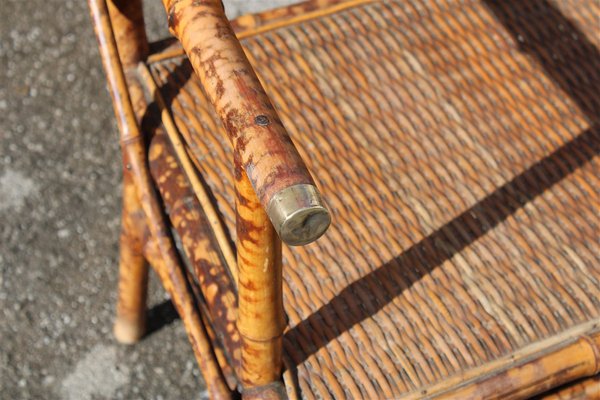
{"points": [[59, 219]]}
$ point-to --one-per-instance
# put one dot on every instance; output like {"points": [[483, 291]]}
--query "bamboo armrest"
{"points": [[261, 144]]}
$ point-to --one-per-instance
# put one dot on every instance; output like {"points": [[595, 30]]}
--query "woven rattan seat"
{"points": [[460, 169], [455, 145]]}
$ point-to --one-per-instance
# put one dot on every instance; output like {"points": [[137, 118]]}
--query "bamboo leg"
{"points": [[260, 312], [197, 327], [133, 146], [130, 324], [170, 271], [127, 20]]}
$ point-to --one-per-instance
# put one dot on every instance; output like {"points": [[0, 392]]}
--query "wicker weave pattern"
{"points": [[462, 176]]}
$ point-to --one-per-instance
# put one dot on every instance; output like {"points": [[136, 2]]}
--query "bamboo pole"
{"points": [[132, 143], [260, 305], [157, 260], [190, 172], [130, 323], [218, 294], [127, 20], [578, 359], [570, 355], [264, 150], [586, 389]]}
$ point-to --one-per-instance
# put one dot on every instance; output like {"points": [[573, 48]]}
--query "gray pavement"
{"points": [[59, 219]]}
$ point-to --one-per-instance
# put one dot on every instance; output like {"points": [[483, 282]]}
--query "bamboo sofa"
{"points": [[453, 189]]}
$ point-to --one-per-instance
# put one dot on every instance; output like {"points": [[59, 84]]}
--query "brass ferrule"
{"points": [[298, 214]]}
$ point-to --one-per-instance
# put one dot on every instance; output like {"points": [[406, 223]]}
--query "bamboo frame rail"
{"points": [[127, 19], [157, 260], [134, 149], [260, 305], [584, 389], [130, 323], [255, 24], [537, 376], [190, 221], [199, 190], [265, 152], [573, 354]]}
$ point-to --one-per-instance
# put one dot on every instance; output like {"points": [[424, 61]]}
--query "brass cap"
{"points": [[298, 214]]}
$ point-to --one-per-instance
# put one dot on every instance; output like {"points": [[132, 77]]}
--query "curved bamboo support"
{"points": [[132, 143], [264, 150]]}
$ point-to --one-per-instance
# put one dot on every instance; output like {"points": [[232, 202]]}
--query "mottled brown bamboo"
{"points": [[260, 306], [570, 355], [239, 99], [467, 251], [127, 20], [266, 152], [190, 222], [132, 142], [197, 186], [130, 324], [581, 358], [157, 260], [253, 24], [272, 391], [175, 284], [585, 389]]}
